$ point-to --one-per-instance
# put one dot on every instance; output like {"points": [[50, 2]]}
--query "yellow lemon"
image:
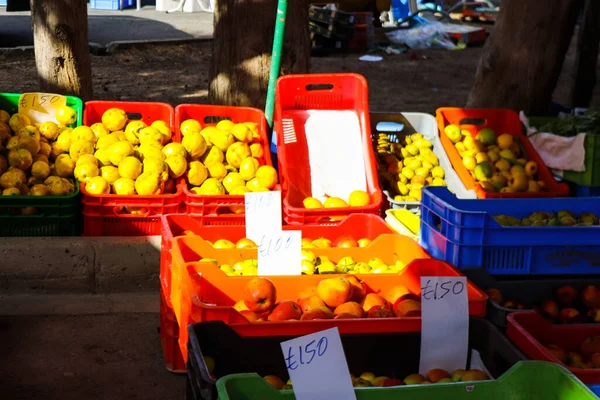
{"points": [[194, 144], [118, 151], [164, 130], [311, 202], [236, 153], [132, 131], [359, 198], [106, 141], [248, 168], [470, 163], [13, 178], [156, 165], [232, 181], [334, 202], [177, 165], [60, 186], [257, 150], [242, 133], [174, 149], [87, 158], [45, 149], [148, 183], [4, 116], [225, 125], [18, 122], [83, 133], [211, 187], [190, 125], [124, 187], [13, 143], [66, 116], [40, 170], [505, 141], [30, 131], [97, 186], [197, 173], [240, 190], [114, 119], [130, 167], [110, 174], [49, 130], [266, 176], [217, 171], [99, 130], [120, 135], [254, 185], [64, 166], [39, 190], [21, 159], [80, 147], [63, 141], [212, 156], [150, 134], [85, 171], [152, 150], [221, 139], [29, 144], [103, 157], [11, 192]]}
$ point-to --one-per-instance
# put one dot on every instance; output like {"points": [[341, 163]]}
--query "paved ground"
{"points": [[109, 26], [96, 354]]}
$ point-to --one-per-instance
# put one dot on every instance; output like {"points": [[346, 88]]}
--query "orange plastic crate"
{"points": [[169, 335], [501, 121], [356, 226], [103, 214], [218, 207], [296, 95], [204, 294]]}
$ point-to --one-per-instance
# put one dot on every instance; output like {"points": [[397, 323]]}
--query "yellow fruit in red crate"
{"points": [[80, 147], [99, 130], [174, 149], [212, 156], [239, 191], [49, 130], [21, 159], [103, 157], [210, 187], [118, 151], [110, 174], [470, 163], [197, 173], [177, 165], [106, 141], [150, 135], [83, 133], [217, 171], [164, 130], [505, 141], [18, 122], [124, 187], [87, 158], [148, 183], [132, 131], [221, 139], [113, 119], [97, 186], [236, 153], [257, 151], [194, 144], [248, 168], [190, 125], [242, 133], [206, 132], [223, 244], [225, 125], [86, 171], [130, 167], [311, 202], [359, 198], [267, 176], [155, 165], [120, 135], [334, 202], [232, 181], [255, 186], [245, 242]]}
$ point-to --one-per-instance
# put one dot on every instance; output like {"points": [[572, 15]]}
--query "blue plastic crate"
{"points": [[464, 233], [584, 191], [595, 389], [110, 4]]}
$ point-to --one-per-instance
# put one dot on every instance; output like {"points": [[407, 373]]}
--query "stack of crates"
{"points": [[364, 33], [339, 31]]}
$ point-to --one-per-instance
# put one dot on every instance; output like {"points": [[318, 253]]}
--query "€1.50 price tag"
{"points": [[41, 107], [444, 323], [317, 367]]}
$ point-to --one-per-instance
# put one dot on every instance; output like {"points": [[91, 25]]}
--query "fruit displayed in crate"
{"points": [[407, 166], [588, 356], [224, 159], [569, 306], [311, 264], [333, 298], [541, 218], [358, 198], [307, 243], [498, 163], [29, 163]]}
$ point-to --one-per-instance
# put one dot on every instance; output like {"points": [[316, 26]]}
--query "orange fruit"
{"points": [[505, 141], [359, 198]]}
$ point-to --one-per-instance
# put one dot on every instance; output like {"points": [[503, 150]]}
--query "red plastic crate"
{"points": [[530, 332], [501, 121], [207, 294], [296, 94], [356, 226], [102, 214], [218, 207], [169, 335]]}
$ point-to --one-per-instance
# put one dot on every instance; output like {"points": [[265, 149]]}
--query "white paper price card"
{"points": [[41, 107], [317, 367], [444, 323], [279, 253], [263, 214]]}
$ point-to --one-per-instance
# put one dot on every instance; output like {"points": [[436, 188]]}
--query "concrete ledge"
{"points": [[79, 264], [112, 47]]}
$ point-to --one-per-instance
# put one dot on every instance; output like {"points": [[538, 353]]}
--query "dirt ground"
{"points": [[420, 80]]}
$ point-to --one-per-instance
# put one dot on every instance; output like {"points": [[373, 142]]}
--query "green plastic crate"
{"points": [[9, 102], [56, 215], [526, 380], [591, 176]]}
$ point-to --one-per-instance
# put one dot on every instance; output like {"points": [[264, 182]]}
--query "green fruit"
{"points": [[486, 136], [483, 171]]}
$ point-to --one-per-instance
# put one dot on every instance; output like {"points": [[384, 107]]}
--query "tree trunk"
{"points": [[523, 57], [242, 45], [587, 55], [62, 57]]}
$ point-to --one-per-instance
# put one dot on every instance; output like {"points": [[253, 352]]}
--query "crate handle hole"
{"points": [[134, 116], [389, 127], [473, 121], [124, 212], [213, 119], [227, 210], [319, 86]]}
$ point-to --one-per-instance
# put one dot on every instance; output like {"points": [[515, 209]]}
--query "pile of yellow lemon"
{"points": [[225, 159], [497, 163], [358, 198], [31, 162], [407, 166]]}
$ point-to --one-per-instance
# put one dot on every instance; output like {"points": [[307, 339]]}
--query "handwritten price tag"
{"points": [[263, 214], [279, 253], [41, 107], [317, 366], [444, 323]]}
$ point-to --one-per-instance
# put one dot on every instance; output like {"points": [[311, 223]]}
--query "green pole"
{"points": [[275, 59]]}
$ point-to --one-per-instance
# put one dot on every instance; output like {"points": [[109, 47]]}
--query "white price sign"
{"points": [[279, 253], [263, 214]]}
